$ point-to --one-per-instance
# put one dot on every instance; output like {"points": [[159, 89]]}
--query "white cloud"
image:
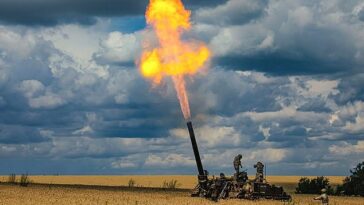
{"points": [[357, 126], [119, 48], [48, 100], [31, 88], [170, 160], [349, 117], [351, 109], [268, 155], [333, 118], [125, 163], [179, 132], [86, 146], [16, 45], [85, 130], [259, 77], [265, 131], [268, 42], [212, 137], [38, 96], [300, 16], [285, 113], [316, 165], [122, 164], [321, 88], [61, 65], [241, 40], [80, 42], [5, 148], [219, 136], [346, 148]]}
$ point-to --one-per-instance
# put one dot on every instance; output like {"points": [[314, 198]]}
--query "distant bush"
{"points": [[24, 180], [173, 184], [12, 178], [354, 184], [313, 186], [131, 183]]}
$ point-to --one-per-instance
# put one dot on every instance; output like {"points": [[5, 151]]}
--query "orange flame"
{"points": [[173, 57]]}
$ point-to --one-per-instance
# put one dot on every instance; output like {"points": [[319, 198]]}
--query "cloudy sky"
{"points": [[285, 86]]}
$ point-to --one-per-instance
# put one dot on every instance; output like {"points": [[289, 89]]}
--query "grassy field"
{"points": [[43, 195], [185, 181], [98, 195]]}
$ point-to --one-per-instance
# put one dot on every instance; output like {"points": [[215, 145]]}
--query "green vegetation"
{"points": [[313, 186], [353, 184]]}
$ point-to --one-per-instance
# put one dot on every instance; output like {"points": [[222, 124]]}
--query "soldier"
{"points": [[237, 163], [260, 172], [323, 197], [222, 186]]}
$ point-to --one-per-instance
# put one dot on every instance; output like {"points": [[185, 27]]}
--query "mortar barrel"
{"points": [[195, 149]]}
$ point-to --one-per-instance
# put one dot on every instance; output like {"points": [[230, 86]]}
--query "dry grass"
{"points": [[42, 195], [56, 195], [186, 181]]}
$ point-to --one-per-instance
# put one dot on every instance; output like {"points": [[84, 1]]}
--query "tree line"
{"points": [[352, 185]]}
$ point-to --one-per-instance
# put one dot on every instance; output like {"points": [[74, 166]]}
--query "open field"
{"points": [[63, 195], [185, 181], [107, 190]]}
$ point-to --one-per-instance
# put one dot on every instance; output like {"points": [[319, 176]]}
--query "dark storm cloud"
{"points": [[193, 4], [10, 134], [43, 165], [361, 14], [52, 12], [301, 38], [232, 97], [282, 64], [233, 12], [45, 92]]}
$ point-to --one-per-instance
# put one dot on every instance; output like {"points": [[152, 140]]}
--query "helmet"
{"points": [[240, 156], [222, 175], [323, 190]]}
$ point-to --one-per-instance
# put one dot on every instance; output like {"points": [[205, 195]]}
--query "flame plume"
{"points": [[174, 57]]}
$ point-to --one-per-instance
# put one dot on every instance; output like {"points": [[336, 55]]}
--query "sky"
{"points": [[285, 86]]}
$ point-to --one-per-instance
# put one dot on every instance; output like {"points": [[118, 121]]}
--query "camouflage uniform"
{"points": [[260, 172], [323, 197], [237, 163]]}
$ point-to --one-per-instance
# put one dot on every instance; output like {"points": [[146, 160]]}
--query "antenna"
{"points": [[265, 172]]}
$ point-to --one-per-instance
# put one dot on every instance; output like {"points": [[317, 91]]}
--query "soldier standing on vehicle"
{"points": [[237, 163], [259, 177], [323, 197]]}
